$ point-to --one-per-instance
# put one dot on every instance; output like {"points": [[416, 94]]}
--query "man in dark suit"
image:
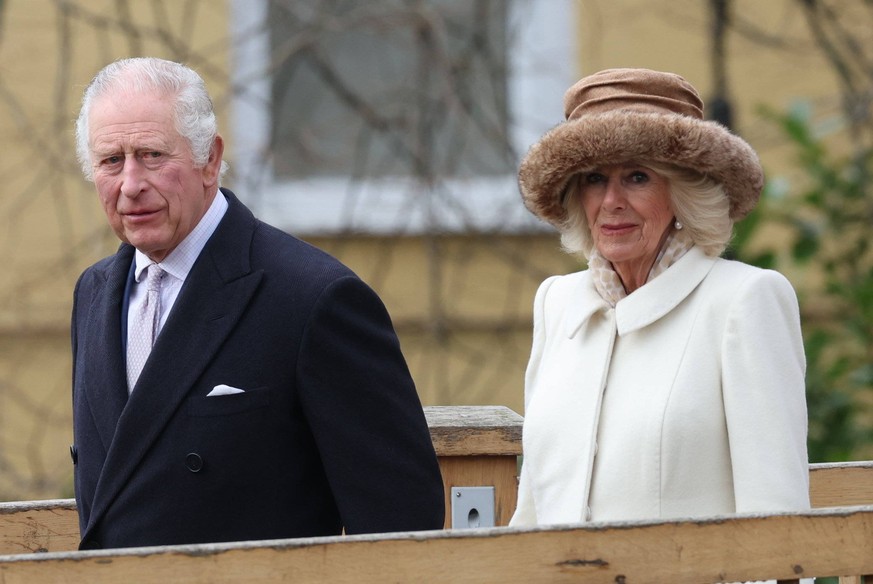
{"points": [[275, 401]]}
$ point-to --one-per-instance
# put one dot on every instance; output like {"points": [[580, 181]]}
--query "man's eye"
{"points": [[112, 160], [154, 154]]}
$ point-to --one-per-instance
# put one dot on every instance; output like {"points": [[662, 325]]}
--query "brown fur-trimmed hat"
{"points": [[622, 115]]}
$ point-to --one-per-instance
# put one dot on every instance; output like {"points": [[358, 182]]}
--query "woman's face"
{"points": [[629, 213]]}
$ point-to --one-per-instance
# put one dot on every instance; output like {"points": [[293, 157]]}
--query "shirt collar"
{"points": [[179, 261]]}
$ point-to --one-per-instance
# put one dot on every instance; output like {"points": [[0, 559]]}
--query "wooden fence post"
{"points": [[478, 446]]}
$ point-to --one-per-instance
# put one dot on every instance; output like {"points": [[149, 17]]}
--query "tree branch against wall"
{"points": [[436, 116], [411, 93]]}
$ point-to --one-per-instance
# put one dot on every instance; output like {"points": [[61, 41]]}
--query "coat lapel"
{"points": [[104, 375], [214, 296], [584, 304]]}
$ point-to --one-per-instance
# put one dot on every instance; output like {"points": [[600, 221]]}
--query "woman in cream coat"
{"points": [[663, 381]]}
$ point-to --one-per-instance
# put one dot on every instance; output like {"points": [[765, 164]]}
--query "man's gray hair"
{"points": [[193, 112]]}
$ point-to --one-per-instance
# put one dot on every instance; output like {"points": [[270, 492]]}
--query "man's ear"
{"points": [[212, 169]]}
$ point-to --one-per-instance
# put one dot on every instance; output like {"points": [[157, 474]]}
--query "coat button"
{"points": [[74, 453], [193, 462]]}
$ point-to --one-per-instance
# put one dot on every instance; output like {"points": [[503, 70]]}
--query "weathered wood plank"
{"points": [[783, 546], [38, 526], [474, 430], [52, 525], [840, 484]]}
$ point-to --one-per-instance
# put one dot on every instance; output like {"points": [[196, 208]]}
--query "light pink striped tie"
{"points": [[144, 326]]}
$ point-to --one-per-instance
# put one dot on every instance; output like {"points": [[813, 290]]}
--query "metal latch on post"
{"points": [[472, 507]]}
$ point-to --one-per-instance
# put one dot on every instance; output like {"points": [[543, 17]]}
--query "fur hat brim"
{"points": [[616, 137]]}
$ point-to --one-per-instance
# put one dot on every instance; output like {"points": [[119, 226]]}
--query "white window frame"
{"points": [[542, 66]]}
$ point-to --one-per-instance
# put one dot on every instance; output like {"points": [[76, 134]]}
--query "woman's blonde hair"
{"points": [[699, 203]]}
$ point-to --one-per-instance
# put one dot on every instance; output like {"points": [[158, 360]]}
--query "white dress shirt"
{"points": [[177, 264]]}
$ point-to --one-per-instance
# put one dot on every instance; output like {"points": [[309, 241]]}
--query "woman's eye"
{"points": [[639, 176], [593, 178]]}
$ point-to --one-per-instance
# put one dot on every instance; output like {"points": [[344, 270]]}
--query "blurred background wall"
{"points": [[388, 132]]}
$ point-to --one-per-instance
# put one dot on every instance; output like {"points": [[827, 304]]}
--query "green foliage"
{"points": [[829, 218]]}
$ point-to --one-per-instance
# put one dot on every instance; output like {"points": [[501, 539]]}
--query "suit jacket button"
{"points": [[74, 453], [193, 462]]}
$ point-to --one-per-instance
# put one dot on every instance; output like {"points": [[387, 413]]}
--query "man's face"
{"points": [[145, 176]]}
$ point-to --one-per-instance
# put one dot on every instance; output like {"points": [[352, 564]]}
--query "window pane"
{"points": [[389, 88]]}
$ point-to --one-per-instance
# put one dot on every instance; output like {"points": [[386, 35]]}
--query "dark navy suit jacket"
{"points": [[328, 435]]}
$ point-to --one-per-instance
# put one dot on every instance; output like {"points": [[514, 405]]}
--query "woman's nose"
{"points": [[615, 196]]}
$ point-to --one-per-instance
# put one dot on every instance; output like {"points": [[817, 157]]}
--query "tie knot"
{"points": [[153, 277]]}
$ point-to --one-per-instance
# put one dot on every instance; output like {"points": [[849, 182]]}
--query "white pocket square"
{"points": [[224, 390]]}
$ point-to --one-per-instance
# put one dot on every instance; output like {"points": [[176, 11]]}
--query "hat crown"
{"points": [[634, 90]]}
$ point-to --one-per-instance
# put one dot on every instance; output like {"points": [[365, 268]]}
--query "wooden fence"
{"points": [[478, 446]]}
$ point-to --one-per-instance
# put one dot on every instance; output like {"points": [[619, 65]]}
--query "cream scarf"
{"points": [[606, 280]]}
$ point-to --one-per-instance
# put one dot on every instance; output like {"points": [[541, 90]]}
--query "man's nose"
{"points": [[132, 177]]}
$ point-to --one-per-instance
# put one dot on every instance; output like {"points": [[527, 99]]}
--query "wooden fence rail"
{"points": [[52, 525], [824, 542], [842, 483], [479, 446]]}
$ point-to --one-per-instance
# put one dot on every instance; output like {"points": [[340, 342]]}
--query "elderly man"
{"points": [[230, 382]]}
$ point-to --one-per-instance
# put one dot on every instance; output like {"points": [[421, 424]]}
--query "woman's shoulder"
{"points": [[564, 284], [733, 277], [737, 269], [566, 296], [568, 279]]}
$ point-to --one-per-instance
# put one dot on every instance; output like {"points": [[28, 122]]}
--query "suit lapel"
{"points": [[217, 291], [105, 379]]}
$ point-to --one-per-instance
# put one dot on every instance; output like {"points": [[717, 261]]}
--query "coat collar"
{"points": [[651, 302], [584, 303], [216, 293], [647, 304]]}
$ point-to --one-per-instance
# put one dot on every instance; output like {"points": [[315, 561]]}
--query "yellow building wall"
{"points": [[51, 226], [461, 304]]}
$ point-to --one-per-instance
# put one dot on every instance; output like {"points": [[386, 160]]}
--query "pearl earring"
{"points": [[678, 225]]}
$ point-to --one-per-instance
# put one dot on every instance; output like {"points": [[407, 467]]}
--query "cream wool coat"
{"points": [[685, 400]]}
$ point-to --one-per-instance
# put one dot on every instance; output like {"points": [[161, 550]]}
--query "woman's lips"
{"points": [[617, 229]]}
